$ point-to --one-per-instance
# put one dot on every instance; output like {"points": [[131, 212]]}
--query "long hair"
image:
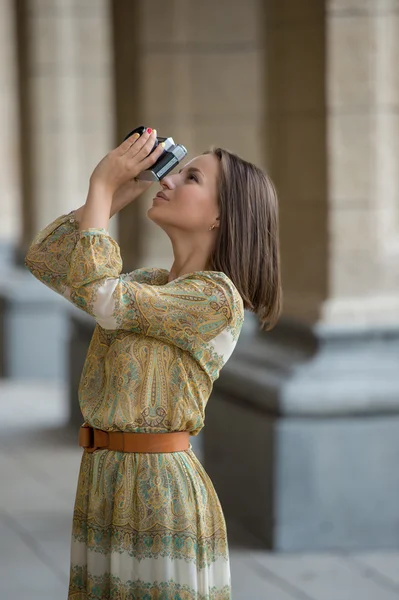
{"points": [[247, 247]]}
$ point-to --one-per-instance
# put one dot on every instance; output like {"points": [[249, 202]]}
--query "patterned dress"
{"points": [[145, 526]]}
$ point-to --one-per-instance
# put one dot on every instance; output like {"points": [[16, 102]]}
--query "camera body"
{"points": [[171, 156]]}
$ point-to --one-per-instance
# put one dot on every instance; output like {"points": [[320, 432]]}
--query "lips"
{"points": [[162, 195]]}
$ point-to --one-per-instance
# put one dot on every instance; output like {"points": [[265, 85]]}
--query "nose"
{"points": [[166, 183], [169, 182]]}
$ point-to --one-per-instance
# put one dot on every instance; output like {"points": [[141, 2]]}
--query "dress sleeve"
{"points": [[49, 254], [186, 312]]}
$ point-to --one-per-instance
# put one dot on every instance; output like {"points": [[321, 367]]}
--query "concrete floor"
{"points": [[39, 462]]}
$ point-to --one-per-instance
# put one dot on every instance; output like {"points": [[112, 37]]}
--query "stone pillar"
{"points": [[67, 126], [296, 116], [128, 103], [315, 403], [10, 196], [192, 77], [68, 72], [362, 160]]}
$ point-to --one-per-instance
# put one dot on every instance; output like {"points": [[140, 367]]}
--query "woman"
{"points": [[147, 521]]}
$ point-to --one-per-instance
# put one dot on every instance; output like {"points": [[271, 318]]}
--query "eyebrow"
{"points": [[192, 169]]}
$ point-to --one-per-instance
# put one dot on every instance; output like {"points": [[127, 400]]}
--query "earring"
{"points": [[212, 227]]}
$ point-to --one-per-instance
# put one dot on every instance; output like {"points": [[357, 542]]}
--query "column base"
{"points": [[302, 438], [7, 256], [33, 329]]}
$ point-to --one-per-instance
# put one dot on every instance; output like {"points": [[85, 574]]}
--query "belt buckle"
{"points": [[90, 433], [92, 447]]}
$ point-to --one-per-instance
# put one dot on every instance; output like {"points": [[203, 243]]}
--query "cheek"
{"points": [[192, 207]]}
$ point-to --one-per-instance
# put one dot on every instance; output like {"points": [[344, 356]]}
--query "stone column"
{"points": [[67, 126], [10, 185], [315, 403], [363, 157], [68, 71], [126, 27], [194, 78]]}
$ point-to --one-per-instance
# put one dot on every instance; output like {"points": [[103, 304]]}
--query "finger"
{"points": [[151, 159], [146, 136], [144, 145], [127, 144]]}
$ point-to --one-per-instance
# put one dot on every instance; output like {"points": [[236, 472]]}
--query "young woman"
{"points": [[147, 521]]}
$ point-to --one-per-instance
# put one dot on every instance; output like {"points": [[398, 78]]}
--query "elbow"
{"points": [[29, 262], [28, 259], [31, 257]]}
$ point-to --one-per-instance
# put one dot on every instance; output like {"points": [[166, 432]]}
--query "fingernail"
{"points": [[136, 136], [162, 144], [154, 131], [149, 129]]}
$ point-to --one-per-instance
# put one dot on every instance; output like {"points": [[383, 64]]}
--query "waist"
{"points": [[92, 439]]}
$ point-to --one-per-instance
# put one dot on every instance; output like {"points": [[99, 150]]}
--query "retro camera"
{"points": [[171, 156]]}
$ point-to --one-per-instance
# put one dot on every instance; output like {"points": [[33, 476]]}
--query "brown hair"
{"points": [[247, 247]]}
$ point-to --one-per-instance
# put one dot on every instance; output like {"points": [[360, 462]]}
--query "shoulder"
{"points": [[220, 291], [234, 299], [221, 284]]}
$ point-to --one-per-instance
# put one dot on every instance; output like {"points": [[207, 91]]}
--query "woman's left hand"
{"points": [[127, 193], [126, 162]]}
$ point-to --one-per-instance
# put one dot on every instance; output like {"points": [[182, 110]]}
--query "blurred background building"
{"points": [[302, 435]]}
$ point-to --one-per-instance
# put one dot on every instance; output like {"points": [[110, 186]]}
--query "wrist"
{"points": [[99, 191]]}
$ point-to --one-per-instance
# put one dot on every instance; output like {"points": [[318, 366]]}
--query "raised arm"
{"points": [[49, 255]]}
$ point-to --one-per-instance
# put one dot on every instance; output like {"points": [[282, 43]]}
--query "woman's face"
{"points": [[188, 200]]}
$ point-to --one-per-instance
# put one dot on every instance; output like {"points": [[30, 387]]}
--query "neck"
{"points": [[191, 254]]}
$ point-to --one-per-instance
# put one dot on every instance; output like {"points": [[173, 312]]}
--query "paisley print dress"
{"points": [[145, 526]]}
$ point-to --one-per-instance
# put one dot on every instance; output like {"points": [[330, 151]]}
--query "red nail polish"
{"points": [[149, 129]]}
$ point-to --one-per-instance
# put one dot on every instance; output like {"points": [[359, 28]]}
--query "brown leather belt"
{"points": [[121, 441]]}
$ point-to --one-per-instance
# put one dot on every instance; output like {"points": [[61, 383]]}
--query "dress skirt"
{"points": [[147, 527]]}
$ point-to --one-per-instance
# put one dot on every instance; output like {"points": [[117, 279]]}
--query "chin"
{"points": [[152, 215]]}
